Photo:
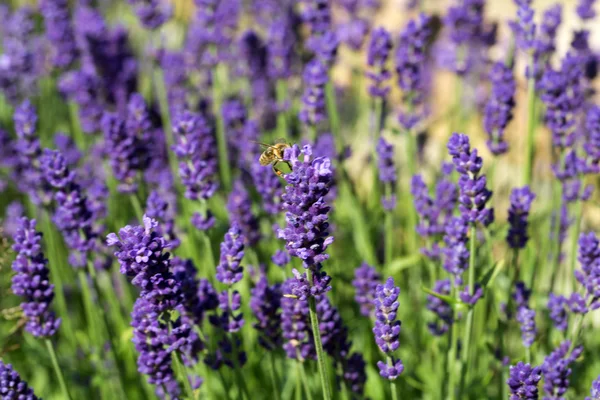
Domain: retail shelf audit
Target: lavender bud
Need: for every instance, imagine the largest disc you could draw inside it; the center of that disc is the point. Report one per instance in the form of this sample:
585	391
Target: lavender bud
366	279
523	381
12	386
520	204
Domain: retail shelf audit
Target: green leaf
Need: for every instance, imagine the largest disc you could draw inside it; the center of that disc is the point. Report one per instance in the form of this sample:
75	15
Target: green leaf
402	263
445	298
490	275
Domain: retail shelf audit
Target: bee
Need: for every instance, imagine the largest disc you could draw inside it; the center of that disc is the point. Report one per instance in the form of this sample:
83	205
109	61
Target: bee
273	154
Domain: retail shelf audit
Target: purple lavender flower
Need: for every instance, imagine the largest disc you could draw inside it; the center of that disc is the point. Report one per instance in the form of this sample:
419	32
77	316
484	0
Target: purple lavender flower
556	369
474	194
366	279
229	270
387	328
354	373
523	381
334	334
585	9
520	204
377	57
268	185
59	32
32	281
281	258
595	390
239	206
434	212
152	339
523	27
498	110
545	44
306	233
141	252
387	171
73	216
295	325
440	308
471	299
12	386
280	47
265	303
557	305
84	88
410	67
592	144
464	20
198	296
12	218
562	93
313	109
231	320
195	149
589	274
353	33
526	319
152	13
456	254
317	15
173	66
126	151
157	208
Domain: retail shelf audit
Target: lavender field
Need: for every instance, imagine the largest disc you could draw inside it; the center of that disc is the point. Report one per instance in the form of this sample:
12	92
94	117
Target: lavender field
299	199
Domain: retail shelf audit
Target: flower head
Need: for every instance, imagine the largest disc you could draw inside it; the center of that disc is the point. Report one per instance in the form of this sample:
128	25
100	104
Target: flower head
440	308
499	108
12	386
556	371
229	270
265	303
387	327
523	381
366	279
520	204
313	110
377	57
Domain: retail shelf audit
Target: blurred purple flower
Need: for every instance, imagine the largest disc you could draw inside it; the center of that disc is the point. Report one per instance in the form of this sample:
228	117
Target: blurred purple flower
456	254
32	281
440	308
585	9
229	270
151	13
366	279
281	258
265	303
157	208
387	172
523	380
595	390
523	27
59	32
387	327
313	110
378	53
557	305
498	109
239	207
518	213
556	371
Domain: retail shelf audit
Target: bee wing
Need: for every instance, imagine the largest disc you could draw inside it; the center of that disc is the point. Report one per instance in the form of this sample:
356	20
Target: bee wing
266	146
280	141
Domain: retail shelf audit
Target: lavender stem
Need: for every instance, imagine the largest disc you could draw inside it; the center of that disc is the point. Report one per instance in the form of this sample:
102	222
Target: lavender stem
180	366
452	353
393	387
304	379
332	113
531	123
314	322
274	379
576	231
57	369
389	229
137	206
165	116
224	167
282	127
464	365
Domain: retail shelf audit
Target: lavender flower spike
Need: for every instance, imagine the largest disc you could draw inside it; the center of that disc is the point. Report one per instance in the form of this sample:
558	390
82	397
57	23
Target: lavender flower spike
585	9
523	381
474	194
520	204
498	110
229	270
313	109
12	386
366	279
306	233
556	371
59	32
524	27
595	390
387	171
32	281
152	13
265	304
387	328
377	57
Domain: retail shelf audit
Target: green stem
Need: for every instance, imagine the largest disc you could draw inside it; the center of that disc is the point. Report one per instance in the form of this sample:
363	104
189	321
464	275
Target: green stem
528	355
57	369
304	380
389	231
575	234
274	378
453	349
78	135
165	115
224	168
137	206
236	362
88	306
282	127
464	365
531	124
332	113
557	242
411	150
187	386
393	387
225	387
314	322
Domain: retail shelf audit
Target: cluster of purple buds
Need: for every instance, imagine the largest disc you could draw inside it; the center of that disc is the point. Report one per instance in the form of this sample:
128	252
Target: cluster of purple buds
280	47
556	370
377	58
323	39
239	206
195	150
518	213
545	43
585	9
306	213
592	144
456	254
366	279
334	334
595	390
265	303
269	187
151	13
157	208
73	213
59	32
32	280
474	194
387	172
295	324
281	258
523	27
499	108
440	308
83	87
589	274
410	63
523	381
558	307
126	143
434	212
12	386
313	110
387	328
